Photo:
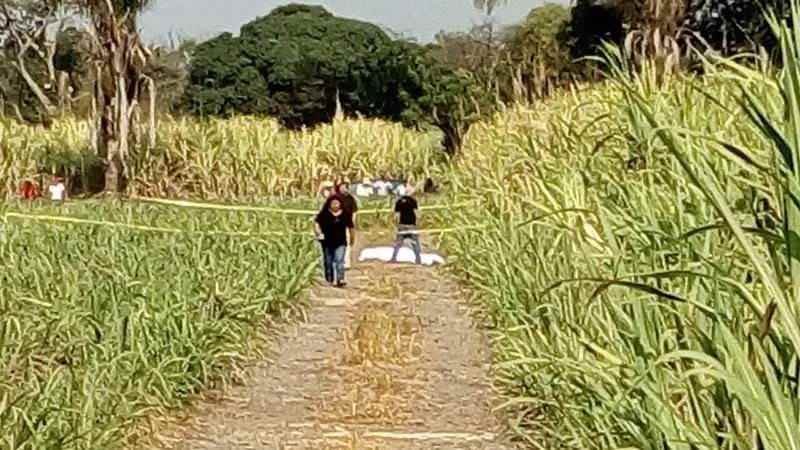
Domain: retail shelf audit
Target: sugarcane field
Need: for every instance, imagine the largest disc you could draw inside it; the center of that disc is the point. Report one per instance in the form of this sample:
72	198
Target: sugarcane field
352	225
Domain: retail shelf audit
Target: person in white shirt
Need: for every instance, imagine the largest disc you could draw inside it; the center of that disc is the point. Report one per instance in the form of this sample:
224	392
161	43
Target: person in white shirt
400	190
381	187
364	189
58	192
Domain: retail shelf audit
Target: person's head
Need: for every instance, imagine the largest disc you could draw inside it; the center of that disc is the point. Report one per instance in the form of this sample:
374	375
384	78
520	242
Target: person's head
334	204
343	187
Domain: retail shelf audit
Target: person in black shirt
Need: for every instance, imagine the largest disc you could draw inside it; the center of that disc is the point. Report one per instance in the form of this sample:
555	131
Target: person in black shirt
406	216
350	206
331	226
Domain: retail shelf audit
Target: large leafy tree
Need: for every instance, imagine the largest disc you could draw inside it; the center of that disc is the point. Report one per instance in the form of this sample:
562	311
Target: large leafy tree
291	64
299	62
433	93
538	50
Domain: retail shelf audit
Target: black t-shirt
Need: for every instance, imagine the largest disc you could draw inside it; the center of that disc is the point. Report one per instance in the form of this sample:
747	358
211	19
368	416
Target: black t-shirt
334	228
349	203
407	207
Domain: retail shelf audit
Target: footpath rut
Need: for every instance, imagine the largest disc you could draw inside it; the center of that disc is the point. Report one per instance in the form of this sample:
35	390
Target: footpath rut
392	362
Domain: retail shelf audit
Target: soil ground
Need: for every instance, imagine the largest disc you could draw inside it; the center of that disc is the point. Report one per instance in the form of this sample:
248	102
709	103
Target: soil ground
394	361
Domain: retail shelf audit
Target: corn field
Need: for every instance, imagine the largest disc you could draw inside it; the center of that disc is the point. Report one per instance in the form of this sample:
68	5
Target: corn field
638	261
640	265
102	326
243	158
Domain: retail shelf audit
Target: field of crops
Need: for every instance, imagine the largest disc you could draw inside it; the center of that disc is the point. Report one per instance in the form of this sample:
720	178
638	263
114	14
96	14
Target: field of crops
100	326
243	158
636	262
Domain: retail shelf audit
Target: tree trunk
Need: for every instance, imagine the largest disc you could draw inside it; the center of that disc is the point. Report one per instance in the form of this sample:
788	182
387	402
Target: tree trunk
119	86
453	137
33	86
114	134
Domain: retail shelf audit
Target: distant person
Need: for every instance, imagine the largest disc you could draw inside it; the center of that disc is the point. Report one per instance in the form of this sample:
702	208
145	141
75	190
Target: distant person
365	188
57	189
28	190
405	210
350	206
381	186
430	187
331	226
325	189
401	190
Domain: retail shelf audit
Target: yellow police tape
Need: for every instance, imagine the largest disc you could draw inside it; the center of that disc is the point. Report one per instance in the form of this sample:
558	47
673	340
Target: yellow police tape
130	226
75	220
302	212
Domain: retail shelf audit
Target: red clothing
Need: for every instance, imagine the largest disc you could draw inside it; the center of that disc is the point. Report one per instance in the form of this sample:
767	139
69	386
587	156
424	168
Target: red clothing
29	191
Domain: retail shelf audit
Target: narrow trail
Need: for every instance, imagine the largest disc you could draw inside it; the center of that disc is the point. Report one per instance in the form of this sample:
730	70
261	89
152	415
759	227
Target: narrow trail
392	362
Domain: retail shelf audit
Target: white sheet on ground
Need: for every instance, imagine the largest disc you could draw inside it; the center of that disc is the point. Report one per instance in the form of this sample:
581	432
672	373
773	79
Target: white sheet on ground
404	255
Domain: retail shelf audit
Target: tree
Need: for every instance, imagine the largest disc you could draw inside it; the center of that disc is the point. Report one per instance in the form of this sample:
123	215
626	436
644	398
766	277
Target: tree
731	26
292	64
24	38
299	62
119	59
593	22
477	52
538	51
433	93
223	81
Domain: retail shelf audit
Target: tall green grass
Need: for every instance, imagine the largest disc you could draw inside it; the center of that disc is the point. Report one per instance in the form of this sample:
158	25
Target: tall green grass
102	326
242	158
639	264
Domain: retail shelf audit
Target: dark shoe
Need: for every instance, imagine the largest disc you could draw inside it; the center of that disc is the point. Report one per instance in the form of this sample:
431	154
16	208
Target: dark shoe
341	284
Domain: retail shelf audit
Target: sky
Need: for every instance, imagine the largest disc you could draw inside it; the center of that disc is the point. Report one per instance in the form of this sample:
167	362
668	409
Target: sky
420	19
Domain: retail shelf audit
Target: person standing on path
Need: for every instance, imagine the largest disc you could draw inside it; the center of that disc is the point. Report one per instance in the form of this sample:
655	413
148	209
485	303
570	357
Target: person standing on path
350	206
405	210
331	226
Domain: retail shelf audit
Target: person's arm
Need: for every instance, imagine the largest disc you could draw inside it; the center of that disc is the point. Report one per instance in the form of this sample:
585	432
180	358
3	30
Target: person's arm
352	228
317	227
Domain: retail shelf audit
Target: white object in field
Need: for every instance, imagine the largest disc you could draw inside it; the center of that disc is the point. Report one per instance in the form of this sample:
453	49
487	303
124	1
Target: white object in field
57	191
404	255
364	190
381	188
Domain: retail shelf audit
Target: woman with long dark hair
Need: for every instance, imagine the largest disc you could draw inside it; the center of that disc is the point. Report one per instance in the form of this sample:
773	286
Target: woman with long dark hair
350	206
331	225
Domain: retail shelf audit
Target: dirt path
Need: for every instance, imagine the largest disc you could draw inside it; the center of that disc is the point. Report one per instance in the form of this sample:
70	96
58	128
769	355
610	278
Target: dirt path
393	361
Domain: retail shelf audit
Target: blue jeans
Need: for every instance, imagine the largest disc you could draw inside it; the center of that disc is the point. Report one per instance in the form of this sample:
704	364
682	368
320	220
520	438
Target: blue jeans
333	262
407	232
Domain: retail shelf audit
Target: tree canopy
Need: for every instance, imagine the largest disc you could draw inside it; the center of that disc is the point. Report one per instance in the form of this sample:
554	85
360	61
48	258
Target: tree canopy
298	62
